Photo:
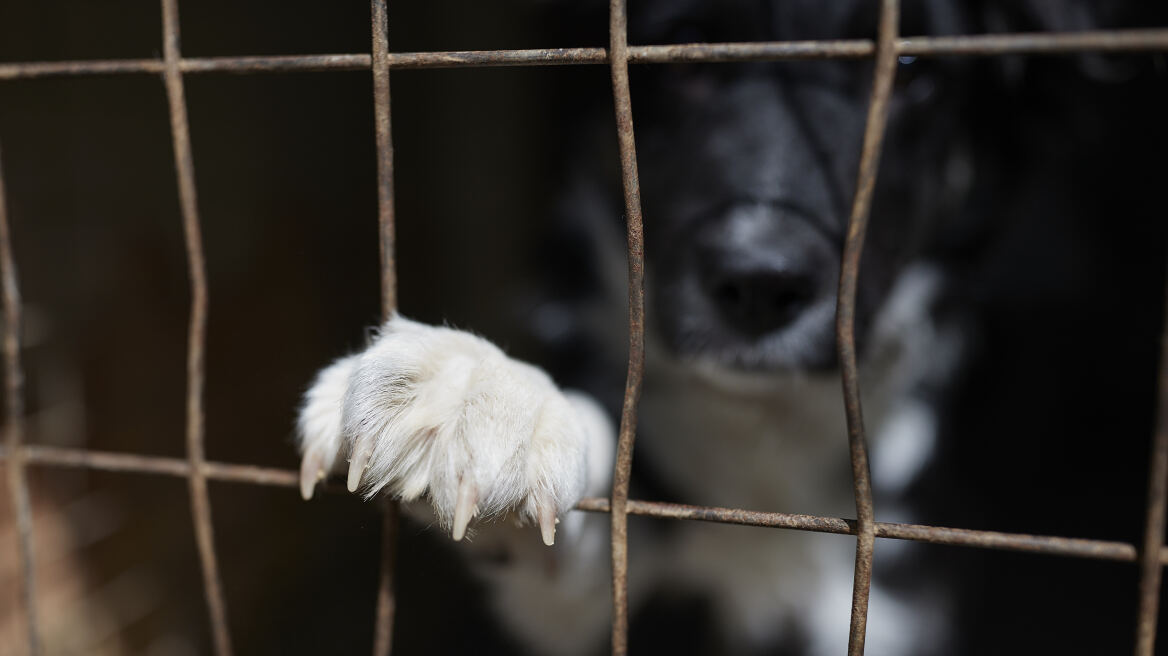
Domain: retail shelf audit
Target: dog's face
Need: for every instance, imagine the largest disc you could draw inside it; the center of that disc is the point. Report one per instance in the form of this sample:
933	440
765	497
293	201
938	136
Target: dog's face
748	173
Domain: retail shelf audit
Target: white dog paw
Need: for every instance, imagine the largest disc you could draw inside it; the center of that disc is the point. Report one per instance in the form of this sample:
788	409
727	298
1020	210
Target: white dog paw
443	413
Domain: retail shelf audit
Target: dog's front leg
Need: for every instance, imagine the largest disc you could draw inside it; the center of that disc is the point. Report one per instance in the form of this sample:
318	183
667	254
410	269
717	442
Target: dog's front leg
442	414
557	600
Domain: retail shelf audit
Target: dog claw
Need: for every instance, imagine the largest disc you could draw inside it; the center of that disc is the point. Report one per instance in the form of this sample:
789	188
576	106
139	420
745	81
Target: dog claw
357	466
311	471
547	524
464	508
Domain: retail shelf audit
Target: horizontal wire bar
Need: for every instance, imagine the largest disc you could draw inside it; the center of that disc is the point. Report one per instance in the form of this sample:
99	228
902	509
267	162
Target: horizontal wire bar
1036	43
16	71
55	456
130	462
1050	545
276	64
921	46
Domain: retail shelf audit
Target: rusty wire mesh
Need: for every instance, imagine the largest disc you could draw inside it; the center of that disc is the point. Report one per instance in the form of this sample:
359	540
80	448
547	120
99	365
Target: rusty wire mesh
1152	555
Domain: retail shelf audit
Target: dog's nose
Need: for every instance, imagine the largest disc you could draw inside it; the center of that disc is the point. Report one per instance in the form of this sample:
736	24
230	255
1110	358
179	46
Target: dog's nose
757	301
761	266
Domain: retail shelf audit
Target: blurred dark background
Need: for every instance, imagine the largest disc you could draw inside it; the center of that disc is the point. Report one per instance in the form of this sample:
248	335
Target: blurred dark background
1048	432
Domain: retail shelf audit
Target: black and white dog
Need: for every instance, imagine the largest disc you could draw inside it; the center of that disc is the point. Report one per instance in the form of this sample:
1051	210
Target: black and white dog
748	172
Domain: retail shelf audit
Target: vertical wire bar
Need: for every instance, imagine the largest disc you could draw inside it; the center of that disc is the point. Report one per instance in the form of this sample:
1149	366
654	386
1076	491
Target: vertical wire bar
618	54
14	424
197	336
1150	566
385	198
884	73
386	602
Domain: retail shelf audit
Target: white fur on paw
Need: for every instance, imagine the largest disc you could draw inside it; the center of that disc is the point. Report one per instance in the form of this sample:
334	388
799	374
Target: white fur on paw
319	425
441	412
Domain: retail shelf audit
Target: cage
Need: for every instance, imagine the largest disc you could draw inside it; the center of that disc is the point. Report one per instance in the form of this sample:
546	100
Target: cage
91	374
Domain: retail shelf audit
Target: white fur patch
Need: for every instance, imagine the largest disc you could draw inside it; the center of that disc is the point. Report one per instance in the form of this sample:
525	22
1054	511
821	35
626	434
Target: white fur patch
440	412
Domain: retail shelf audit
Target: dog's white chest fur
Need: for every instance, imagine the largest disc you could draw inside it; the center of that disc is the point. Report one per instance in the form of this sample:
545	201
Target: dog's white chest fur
782	450
763	449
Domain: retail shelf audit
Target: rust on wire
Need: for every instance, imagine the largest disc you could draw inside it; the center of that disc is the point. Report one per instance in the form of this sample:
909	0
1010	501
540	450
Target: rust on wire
1023	542
1150	567
622	103
32	70
480	58
386	597
883	75
276	64
14	425
1037	43
197	337
139	464
55	456
379	60
750	52
384	136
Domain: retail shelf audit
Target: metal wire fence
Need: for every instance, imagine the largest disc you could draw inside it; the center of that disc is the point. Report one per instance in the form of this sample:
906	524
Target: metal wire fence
1151	556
